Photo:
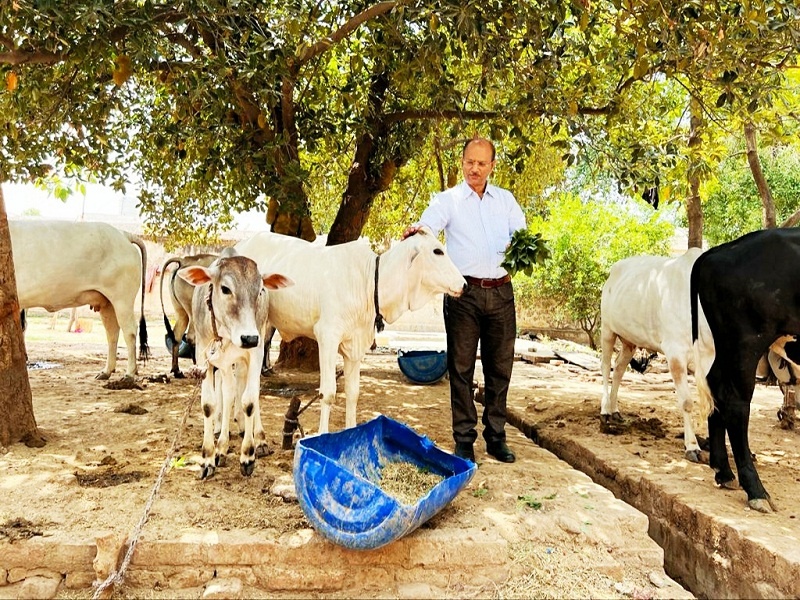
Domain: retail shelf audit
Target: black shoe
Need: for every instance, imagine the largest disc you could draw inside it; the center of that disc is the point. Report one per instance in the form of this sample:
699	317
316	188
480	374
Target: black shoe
501	452
464	450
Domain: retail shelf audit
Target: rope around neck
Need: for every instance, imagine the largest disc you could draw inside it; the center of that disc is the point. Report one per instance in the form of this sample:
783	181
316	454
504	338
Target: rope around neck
211	310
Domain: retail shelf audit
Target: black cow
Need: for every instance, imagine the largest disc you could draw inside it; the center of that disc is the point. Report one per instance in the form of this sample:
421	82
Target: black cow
749	292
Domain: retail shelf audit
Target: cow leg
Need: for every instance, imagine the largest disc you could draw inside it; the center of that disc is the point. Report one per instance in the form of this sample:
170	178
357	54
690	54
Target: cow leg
266	367
328	351
122	318
352	376
718	452
109	318
609	410
736	416
207	403
787	411
218	413
259	437
680	376
251	375
607	340
228	388
181	324
620	366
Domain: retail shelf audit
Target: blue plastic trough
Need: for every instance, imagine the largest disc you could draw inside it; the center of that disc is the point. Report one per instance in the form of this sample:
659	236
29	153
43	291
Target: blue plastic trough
336	476
423	366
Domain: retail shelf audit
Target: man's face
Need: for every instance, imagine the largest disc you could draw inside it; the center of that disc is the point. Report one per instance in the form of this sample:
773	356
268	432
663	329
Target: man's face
477	164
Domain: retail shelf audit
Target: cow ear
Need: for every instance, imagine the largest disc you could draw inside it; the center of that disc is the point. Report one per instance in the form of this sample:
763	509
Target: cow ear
413	255
195	275
276	281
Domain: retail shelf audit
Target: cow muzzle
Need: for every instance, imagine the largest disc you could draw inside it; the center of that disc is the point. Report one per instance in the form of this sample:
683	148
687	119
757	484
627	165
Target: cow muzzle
249	341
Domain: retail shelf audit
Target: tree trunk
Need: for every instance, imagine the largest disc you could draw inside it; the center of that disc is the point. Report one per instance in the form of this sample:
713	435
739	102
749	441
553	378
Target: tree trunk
301	353
369	174
694	211
17	422
372	173
768	204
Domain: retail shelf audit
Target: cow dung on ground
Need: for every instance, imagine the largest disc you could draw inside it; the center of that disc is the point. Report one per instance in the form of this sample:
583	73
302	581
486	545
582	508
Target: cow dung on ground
87	438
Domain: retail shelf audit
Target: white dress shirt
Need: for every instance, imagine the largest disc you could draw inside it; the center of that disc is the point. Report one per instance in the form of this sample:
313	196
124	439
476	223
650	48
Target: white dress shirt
477	231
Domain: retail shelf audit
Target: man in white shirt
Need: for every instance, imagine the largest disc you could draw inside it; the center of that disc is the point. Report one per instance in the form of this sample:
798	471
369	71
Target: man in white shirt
478	219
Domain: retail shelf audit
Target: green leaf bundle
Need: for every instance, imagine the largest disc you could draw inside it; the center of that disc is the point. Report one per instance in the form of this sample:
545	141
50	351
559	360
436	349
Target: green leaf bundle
525	250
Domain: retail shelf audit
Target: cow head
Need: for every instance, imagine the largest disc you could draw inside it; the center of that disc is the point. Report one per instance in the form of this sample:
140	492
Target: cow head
430	270
235	296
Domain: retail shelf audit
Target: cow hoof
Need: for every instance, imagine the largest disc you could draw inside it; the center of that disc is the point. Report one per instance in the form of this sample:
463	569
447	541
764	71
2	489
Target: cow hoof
696	456
207	472
729	485
262	450
266	372
178	375
785	419
221	460
762	505
103	376
248	467
613	424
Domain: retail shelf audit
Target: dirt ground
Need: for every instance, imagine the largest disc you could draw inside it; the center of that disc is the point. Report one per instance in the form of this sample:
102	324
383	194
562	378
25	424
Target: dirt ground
105	447
567	399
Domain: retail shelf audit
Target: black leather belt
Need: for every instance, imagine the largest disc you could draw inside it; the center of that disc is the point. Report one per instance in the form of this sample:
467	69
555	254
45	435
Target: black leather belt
487	283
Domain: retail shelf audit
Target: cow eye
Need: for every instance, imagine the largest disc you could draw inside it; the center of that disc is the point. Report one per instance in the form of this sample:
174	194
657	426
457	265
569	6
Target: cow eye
226	290
438	251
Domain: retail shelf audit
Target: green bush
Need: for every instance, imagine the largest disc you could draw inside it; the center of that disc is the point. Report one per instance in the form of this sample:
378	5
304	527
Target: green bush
586	238
733	207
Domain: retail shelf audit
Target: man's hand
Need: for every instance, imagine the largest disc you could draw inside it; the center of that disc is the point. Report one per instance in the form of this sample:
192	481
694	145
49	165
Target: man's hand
411	230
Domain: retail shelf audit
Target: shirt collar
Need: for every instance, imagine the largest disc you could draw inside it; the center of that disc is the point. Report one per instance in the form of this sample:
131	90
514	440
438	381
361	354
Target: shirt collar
466	190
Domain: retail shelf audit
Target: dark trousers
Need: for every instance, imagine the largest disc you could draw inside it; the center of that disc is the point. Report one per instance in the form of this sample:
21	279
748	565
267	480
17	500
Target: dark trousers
486	315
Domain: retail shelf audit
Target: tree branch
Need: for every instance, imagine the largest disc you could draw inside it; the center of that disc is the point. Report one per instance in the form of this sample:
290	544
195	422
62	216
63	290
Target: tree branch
30	57
430	113
345	30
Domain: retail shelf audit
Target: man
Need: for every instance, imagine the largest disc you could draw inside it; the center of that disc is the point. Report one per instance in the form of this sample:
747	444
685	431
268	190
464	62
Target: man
478	219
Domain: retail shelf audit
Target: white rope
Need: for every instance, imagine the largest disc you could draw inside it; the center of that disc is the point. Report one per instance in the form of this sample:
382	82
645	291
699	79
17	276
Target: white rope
118	576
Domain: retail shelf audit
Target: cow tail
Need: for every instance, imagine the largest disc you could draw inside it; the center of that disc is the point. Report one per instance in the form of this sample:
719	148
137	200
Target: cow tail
144	349
706	400
693	300
167	325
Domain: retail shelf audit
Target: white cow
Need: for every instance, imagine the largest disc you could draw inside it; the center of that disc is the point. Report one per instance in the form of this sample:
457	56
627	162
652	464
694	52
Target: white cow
61	264
333	299
229	312
181	294
645	304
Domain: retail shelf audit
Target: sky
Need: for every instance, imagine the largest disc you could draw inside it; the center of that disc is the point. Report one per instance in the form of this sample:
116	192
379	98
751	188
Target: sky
99	204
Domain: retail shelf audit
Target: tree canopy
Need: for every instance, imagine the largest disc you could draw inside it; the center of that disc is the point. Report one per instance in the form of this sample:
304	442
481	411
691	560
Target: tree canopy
217	106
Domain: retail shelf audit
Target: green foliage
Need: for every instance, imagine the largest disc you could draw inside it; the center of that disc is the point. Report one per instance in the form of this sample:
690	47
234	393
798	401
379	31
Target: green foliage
216	107
524	251
586	237
179	462
734	207
530	501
